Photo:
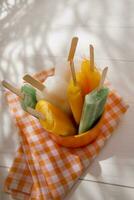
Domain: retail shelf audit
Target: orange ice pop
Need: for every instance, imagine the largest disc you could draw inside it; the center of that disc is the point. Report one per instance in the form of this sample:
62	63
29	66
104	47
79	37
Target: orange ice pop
89	76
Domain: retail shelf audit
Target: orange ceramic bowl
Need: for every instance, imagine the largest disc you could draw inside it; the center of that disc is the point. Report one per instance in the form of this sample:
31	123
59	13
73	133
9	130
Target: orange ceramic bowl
81	140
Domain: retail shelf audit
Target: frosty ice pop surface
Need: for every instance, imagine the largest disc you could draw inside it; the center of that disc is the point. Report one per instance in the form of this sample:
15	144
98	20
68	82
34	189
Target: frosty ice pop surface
93	105
56	121
62	70
75	97
54	90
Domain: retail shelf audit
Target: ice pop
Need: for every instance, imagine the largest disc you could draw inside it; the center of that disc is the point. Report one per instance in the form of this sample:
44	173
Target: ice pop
26	94
62	70
56	121
76	100
54	90
93	105
29	99
74	93
89	76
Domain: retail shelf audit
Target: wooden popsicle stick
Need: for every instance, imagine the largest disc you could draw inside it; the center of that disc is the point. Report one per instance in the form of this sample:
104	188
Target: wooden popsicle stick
37	84
35	113
73	72
71	57
12	89
91	57
103	76
50	72
72	48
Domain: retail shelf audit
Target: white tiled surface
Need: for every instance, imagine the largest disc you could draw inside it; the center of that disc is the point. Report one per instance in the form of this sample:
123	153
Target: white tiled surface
34	32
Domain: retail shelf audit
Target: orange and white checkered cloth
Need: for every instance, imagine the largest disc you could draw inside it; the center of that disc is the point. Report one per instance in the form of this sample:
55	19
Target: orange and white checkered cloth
43	170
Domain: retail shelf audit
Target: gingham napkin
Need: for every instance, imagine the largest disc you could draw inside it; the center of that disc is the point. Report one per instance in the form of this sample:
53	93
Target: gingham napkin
43	170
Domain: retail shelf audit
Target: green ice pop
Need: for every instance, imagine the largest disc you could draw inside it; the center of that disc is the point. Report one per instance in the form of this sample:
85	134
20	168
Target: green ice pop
93	108
29	99
27	94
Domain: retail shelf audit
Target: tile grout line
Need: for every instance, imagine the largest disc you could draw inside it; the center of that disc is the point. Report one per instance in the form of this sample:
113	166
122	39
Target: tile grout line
100	182
105	183
79	56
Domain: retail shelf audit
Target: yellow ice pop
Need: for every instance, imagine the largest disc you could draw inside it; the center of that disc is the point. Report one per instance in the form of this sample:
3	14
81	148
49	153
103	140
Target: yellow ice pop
76	100
74	93
56	121
89	76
